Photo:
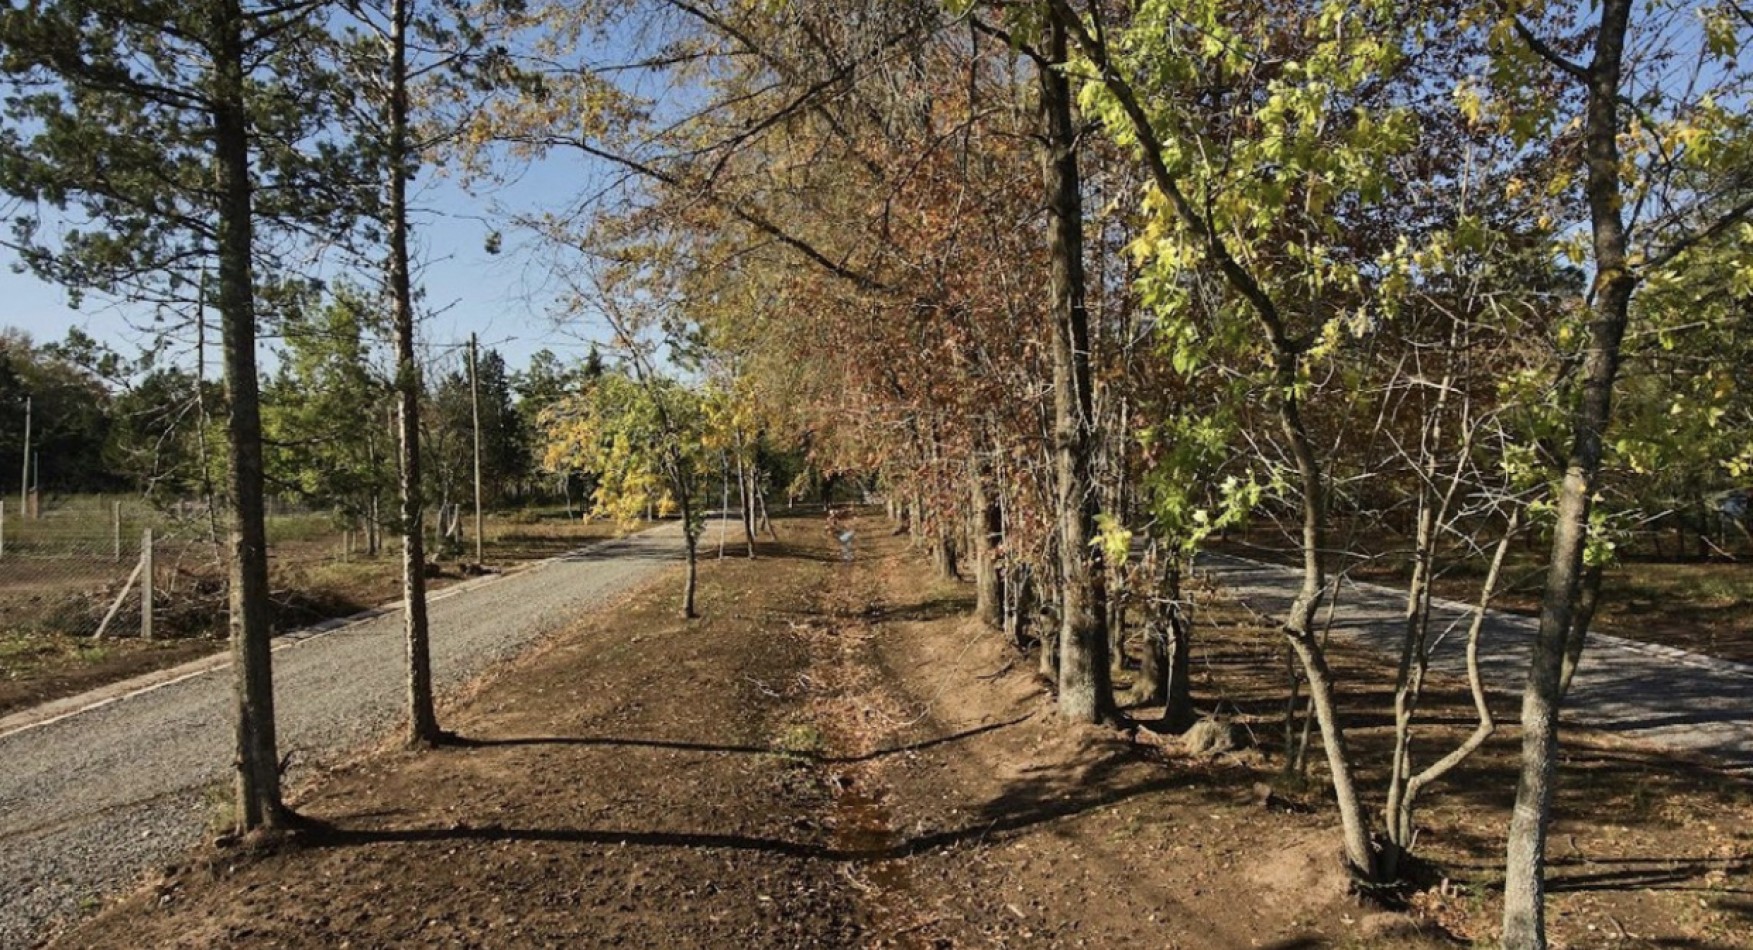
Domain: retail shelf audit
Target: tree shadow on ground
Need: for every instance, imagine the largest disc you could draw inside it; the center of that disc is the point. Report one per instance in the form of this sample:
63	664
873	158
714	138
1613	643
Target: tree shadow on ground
1668	874
469	742
1035	799
937	608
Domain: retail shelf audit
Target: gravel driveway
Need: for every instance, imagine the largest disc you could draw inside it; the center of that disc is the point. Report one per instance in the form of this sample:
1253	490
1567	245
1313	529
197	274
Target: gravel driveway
1655	694
90	801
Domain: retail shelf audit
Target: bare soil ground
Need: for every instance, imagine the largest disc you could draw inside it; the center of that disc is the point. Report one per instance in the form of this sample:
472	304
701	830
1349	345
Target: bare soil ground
311	579
836	756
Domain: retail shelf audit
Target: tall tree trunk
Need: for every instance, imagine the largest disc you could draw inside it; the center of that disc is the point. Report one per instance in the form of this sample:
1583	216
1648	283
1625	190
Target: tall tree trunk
986	528
1114	620
746	496
1299	624
1588	597
258	763
422	717
691	541
1409	679
1085	688
1152	684
1524	921
1178	710
943	554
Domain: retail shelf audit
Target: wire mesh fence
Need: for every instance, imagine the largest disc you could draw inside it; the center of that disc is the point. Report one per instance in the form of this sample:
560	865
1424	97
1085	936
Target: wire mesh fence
87	566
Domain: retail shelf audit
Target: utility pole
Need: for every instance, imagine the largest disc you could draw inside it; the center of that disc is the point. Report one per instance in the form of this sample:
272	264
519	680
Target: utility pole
24	484
201	420
475	408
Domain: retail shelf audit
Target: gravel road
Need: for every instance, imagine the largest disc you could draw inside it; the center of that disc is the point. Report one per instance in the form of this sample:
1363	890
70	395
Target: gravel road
1655	694
91	801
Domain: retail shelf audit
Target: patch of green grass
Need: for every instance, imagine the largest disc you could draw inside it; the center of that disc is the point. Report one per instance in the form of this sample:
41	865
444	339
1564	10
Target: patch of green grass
17	648
800	741
1714	584
220	802
300	527
23	654
347	574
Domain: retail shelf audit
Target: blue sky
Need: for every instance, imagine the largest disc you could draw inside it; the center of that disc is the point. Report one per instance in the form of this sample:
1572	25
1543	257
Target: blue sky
505	297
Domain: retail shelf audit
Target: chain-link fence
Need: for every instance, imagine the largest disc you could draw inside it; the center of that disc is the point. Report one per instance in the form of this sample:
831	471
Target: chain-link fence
64	566
86	566
81	588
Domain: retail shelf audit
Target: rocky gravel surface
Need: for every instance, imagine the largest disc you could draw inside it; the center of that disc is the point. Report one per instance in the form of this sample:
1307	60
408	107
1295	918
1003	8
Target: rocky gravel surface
91	801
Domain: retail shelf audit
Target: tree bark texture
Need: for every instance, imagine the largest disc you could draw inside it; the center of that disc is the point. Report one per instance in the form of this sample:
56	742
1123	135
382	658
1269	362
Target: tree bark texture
1085	687
1178	710
987	531
258	764
422	716
943	554
1524	921
746	501
691	540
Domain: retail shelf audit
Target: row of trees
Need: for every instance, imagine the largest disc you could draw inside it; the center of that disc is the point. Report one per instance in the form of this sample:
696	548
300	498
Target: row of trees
1080	283
74	439
102	423
205	157
1081	280
212	155
330	420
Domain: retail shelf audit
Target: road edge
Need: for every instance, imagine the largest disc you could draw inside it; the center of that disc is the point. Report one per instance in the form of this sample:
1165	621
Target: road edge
67	707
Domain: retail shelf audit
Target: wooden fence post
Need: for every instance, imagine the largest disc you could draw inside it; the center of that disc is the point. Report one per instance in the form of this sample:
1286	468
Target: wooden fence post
146	585
116	529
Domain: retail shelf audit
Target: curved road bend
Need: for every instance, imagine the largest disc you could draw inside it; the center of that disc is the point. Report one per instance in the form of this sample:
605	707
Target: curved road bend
90	801
1654	694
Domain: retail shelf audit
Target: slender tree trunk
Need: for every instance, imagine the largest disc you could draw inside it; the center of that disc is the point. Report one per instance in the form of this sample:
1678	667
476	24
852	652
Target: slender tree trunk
258	763
1399	817
1115	622
1524	922
746	491
691	540
1178	713
1299	622
943	554
422	716
1043	590
1588	597
475	423
1085	688
1152	684
1409	680
766	519
987	531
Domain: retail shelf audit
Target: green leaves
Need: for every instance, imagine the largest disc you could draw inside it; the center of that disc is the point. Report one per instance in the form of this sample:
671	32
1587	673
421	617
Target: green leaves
644	439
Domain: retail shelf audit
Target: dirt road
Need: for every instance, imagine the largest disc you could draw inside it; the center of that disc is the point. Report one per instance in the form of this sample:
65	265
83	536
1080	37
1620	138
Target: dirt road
833	757
92	799
1654	694
836	755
